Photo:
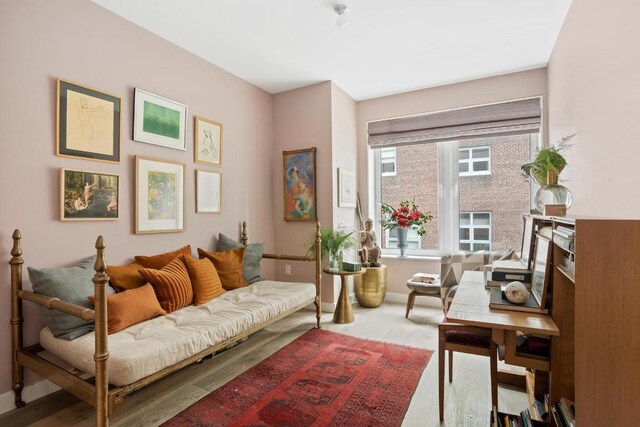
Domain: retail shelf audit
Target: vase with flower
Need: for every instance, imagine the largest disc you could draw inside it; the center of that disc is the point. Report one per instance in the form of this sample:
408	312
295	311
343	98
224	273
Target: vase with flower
406	216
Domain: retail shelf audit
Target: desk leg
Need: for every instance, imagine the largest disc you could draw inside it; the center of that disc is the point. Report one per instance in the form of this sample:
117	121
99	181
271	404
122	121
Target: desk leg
344	311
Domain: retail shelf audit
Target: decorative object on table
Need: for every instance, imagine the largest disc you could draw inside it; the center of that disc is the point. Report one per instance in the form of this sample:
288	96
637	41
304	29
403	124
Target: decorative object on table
334	243
299	183
208	192
516	292
351	266
346	188
545	170
350	379
159	196
555	210
370	252
401	219
86	196
371	287
159	121
207	137
343	312
87	123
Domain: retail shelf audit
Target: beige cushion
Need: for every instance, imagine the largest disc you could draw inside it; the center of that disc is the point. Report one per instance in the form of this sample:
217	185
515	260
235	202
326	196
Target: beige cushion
424	288
150	346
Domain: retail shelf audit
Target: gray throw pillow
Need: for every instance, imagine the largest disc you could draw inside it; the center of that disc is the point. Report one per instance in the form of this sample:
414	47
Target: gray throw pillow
252	256
68	284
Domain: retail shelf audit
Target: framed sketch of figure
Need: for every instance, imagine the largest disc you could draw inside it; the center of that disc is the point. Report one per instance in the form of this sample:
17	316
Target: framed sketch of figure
208	142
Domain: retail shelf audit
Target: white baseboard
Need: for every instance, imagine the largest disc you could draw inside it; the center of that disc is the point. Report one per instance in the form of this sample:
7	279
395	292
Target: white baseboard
29	394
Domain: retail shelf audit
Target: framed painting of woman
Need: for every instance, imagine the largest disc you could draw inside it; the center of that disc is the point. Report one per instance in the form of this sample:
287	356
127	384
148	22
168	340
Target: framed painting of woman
299	181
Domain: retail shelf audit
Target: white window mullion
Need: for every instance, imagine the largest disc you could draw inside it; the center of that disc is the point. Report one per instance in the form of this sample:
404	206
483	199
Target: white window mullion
448	212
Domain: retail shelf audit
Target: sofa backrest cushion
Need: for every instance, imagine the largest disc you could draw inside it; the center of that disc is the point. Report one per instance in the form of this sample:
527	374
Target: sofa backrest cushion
125	277
159	261
204	279
130	307
252	257
68	284
171	284
228	264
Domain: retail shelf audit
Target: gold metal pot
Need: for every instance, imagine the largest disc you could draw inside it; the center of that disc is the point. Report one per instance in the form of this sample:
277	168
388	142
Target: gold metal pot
371	287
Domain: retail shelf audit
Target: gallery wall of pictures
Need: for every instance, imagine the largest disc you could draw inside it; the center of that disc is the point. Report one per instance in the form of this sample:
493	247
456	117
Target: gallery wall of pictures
88	127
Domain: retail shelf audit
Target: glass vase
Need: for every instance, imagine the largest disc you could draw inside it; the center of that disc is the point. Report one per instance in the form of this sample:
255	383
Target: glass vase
402	239
553	193
335	260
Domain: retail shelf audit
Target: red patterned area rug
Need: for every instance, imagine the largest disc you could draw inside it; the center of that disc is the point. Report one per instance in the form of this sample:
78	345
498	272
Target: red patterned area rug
321	379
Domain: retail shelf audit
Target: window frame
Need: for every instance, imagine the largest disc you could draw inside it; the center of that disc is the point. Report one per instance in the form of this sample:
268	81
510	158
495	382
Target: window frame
471	161
389	159
472	227
412	237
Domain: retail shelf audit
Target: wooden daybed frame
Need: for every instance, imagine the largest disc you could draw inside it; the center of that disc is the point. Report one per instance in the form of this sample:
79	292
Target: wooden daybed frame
97	392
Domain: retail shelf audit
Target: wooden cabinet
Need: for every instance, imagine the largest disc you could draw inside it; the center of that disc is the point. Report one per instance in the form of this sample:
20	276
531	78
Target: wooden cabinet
596	305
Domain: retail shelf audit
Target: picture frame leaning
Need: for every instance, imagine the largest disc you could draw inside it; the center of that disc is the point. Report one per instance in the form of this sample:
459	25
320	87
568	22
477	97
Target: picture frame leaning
159	121
88	123
160	189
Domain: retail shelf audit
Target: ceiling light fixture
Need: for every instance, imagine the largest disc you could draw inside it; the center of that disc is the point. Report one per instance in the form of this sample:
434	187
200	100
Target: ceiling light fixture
341	10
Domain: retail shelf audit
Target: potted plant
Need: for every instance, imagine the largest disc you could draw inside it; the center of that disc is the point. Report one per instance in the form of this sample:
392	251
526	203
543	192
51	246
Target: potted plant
405	216
334	242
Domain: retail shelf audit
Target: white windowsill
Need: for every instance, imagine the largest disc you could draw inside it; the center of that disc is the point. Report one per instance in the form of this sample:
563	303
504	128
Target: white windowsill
413	256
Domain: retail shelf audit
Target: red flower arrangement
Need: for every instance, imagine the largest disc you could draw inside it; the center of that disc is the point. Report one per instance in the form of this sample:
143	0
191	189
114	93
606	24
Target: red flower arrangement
407	215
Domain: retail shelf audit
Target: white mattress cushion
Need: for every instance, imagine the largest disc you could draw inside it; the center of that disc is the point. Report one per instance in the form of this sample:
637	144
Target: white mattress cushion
148	347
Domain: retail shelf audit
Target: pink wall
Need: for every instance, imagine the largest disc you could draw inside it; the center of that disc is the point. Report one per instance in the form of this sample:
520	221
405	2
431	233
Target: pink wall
82	42
594	90
482	91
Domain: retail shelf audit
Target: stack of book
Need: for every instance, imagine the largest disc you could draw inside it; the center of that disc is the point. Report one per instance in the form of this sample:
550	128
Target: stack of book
510	270
564	237
425	278
564	413
499	419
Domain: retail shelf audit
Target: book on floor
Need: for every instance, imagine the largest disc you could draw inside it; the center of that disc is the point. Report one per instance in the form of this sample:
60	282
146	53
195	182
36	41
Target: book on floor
500	302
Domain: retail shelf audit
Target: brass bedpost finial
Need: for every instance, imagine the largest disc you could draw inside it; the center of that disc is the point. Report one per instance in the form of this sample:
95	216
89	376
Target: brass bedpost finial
100	266
318	260
244	237
101	355
16	250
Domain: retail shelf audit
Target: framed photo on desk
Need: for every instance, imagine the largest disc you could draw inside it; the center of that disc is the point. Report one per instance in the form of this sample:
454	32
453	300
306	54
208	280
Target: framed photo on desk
540	270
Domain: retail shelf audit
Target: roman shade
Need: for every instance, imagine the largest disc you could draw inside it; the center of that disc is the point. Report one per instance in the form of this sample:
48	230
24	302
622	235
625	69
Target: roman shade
506	118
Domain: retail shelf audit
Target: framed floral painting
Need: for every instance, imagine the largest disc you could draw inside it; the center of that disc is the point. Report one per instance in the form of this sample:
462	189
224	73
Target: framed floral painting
299	180
160	190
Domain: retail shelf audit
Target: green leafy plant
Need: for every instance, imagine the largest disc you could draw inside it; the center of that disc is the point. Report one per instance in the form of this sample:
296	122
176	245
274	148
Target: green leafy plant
547	159
407	215
333	241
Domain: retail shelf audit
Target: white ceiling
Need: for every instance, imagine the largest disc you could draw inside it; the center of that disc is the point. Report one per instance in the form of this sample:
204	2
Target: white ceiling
387	46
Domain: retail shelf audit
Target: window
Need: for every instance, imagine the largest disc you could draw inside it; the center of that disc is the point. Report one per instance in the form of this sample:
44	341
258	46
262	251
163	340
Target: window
413	239
475	231
468	214
474	161
388	161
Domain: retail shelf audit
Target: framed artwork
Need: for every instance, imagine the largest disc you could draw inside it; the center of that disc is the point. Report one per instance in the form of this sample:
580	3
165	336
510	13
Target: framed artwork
88	196
159	121
159	196
208	192
299	176
207	138
87	123
527	241
540	274
346	188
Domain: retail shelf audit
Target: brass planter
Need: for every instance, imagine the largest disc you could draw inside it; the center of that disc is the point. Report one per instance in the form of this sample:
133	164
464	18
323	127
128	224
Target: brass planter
371	287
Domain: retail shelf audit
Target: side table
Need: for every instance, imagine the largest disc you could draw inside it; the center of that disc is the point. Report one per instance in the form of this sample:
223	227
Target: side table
344	311
371	287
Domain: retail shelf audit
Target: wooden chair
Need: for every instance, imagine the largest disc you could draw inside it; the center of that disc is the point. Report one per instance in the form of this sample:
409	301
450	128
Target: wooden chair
466	339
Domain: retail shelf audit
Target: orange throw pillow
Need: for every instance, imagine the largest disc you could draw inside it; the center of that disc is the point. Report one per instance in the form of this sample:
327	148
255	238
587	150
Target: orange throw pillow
228	264
131	307
171	284
204	279
125	277
159	261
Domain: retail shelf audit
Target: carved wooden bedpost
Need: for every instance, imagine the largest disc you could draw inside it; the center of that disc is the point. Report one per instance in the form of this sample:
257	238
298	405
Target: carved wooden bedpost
101	356
16	318
244	237
318	301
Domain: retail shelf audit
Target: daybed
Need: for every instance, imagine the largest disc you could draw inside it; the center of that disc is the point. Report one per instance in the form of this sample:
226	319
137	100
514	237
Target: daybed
143	353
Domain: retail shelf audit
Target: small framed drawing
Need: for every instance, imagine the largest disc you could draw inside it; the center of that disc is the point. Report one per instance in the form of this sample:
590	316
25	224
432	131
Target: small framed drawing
88	196
208	192
208	142
299	176
346	188
159	121
159	196
87	123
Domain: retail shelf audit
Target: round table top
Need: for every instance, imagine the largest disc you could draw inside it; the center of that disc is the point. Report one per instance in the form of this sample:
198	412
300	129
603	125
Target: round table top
344	273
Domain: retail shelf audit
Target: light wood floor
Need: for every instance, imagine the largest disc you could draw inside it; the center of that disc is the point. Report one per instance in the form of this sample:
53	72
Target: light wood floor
467	399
